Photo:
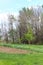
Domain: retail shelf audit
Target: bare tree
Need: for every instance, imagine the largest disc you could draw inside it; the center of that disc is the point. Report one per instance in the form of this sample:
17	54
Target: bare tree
24	20
11	19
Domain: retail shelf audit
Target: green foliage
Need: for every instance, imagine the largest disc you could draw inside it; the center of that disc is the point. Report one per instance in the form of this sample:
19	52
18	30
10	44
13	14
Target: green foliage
11	32
29	35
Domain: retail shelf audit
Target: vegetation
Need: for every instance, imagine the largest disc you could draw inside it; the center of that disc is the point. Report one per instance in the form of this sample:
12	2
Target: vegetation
35	57
28	28
29	36
34	48
21	36
23	59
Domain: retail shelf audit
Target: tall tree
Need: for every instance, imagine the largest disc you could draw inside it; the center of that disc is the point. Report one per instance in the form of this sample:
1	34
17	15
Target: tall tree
24	20
41	31
11	19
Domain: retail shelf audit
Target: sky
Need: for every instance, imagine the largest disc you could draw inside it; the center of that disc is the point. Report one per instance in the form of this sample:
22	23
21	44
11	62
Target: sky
14	6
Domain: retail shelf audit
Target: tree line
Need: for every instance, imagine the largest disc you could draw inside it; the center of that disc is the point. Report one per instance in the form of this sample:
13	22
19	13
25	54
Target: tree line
28	28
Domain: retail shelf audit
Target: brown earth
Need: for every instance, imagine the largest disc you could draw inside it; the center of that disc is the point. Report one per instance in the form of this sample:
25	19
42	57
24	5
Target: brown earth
13	50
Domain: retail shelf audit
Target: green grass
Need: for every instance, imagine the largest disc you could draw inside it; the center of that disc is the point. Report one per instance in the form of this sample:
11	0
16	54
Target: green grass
36	48
21	59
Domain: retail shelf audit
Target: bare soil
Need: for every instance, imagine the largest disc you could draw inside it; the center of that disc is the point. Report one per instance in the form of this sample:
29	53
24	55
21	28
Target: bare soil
13	50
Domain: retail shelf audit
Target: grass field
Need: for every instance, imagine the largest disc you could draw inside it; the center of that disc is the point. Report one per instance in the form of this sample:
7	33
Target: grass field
22	59
36	48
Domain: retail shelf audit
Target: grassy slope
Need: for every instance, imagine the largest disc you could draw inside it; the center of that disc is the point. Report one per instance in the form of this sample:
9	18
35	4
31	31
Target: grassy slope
22	59
18	59
36	48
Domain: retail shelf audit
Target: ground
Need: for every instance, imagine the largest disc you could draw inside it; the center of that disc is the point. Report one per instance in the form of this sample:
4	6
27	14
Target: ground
13	50
20	54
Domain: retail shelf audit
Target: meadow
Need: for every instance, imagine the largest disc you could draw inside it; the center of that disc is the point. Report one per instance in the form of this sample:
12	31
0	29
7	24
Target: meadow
31	58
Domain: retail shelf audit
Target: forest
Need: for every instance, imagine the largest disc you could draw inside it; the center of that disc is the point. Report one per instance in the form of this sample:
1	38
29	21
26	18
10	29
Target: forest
27	28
